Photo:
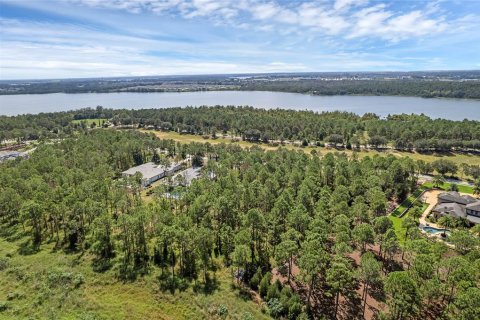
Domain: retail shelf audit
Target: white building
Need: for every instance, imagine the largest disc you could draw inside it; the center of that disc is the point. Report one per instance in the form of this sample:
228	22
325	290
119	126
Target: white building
151	172
10	155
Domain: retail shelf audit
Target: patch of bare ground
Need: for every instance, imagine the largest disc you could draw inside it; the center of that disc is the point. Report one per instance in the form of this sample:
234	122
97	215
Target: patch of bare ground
352	306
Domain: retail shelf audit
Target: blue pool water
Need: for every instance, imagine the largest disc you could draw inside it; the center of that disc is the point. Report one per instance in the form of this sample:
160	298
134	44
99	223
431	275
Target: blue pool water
433	230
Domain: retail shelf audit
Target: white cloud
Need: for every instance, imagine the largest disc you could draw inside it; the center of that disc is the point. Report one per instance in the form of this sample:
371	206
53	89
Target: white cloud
149	37
345	4
350	18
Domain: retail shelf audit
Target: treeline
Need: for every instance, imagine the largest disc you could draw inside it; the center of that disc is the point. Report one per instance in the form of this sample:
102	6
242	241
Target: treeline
343	129
276	212
425	85
394	87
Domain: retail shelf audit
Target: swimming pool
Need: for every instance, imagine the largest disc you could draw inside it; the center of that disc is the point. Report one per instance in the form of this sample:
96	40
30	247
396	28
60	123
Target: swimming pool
433	230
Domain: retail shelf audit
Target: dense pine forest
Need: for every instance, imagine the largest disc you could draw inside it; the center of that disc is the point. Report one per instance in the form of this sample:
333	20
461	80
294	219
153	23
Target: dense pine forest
304	236
381	87
403	132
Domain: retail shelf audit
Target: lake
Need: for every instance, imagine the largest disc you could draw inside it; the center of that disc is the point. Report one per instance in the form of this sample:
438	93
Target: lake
454	109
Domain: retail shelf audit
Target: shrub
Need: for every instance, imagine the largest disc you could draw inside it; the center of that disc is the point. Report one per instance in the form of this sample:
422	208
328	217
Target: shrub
3	263
14	295
273	292
58	278
294	307
222	310
265	284
18	273
78	280
303	316
285	295
275	307
3	306
255	281
247	316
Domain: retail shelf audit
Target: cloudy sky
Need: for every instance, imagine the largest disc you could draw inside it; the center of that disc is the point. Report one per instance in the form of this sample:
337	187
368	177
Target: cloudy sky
96	38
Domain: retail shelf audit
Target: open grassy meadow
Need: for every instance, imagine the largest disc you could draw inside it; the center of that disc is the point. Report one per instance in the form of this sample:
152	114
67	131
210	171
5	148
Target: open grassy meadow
457	158
89	122
49	284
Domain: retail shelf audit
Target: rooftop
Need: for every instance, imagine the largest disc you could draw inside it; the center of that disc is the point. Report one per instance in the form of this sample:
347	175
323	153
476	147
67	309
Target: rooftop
4	155
190	174
453	196
453	209
148	170
474	206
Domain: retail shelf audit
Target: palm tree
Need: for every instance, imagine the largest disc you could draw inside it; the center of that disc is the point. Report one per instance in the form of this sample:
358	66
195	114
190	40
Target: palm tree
446	222
462	222
416	213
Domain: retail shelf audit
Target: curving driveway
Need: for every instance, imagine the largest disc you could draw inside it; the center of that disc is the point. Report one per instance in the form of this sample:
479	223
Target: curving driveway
430	197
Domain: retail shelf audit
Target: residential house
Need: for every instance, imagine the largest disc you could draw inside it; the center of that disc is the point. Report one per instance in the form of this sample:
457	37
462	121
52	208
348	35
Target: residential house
457	206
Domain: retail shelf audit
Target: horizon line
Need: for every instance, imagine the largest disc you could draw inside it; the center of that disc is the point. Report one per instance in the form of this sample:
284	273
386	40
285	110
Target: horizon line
243	74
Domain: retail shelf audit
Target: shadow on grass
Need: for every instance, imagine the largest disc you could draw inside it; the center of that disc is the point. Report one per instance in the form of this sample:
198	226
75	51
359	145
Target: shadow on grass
11	232
208	287
171	283
244	293
101	265
28	248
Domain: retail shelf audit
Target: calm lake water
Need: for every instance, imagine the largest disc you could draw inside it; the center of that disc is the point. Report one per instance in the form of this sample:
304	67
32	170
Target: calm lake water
455	109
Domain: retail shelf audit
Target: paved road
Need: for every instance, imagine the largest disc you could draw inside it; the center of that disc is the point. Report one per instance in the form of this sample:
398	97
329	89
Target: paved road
449	180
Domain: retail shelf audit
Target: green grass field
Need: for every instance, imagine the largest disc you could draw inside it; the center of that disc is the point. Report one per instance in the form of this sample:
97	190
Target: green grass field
408	202
42	285
446	186
98	122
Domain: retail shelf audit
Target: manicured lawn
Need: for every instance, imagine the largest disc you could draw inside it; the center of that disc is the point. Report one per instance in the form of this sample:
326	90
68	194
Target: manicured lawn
397	224
408	202
457	158
446	186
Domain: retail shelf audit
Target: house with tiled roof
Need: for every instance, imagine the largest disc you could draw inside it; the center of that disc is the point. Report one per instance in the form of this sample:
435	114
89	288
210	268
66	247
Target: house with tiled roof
458	206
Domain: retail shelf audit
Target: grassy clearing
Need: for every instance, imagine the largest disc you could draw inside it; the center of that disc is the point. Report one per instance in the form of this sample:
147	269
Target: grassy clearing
397	223
187	138
446	186
29	293
89	122
396	216
407	203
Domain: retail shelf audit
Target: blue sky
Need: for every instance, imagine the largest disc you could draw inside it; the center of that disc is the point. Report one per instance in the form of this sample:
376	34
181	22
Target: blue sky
102	38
